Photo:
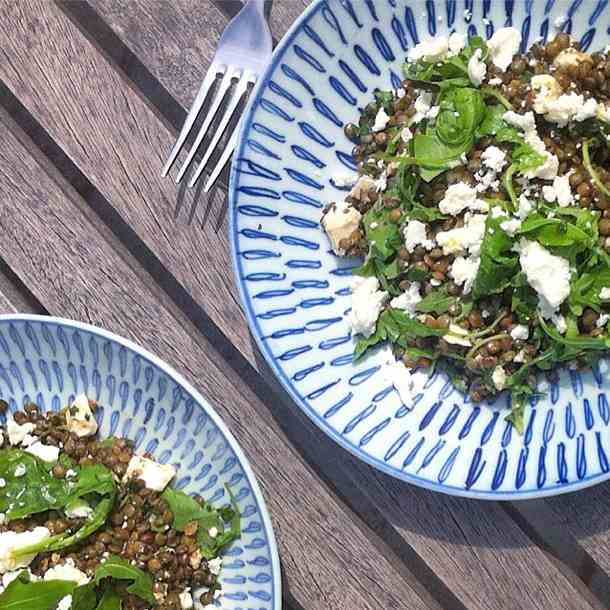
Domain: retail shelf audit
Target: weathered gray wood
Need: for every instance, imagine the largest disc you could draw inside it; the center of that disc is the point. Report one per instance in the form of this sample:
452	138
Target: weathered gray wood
475	582
332	561
119	144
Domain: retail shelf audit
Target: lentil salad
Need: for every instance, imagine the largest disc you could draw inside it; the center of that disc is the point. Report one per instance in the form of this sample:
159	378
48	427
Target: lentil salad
482	208
87	524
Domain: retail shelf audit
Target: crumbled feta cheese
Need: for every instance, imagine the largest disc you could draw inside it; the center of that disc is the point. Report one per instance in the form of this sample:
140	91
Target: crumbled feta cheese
362	187
431	50
520	332
415	235
464	271
424	108
503	46
67	571
520	357
155	476
495	81
602	320
497	211
511	226
456	42
345	179
80	418
408	300
560	323
395	372
339	222
571	57
19	470
400	92
548	170
186	599
65	603
604	294
568	107
459	197
79	509
367	302
525	122
20	434
381	120
213	532
547	274
406	135
46	453
494	158
547	90
215	565
499	378
2	482
476	68
525	206
560	21
10	542
468	237
560	191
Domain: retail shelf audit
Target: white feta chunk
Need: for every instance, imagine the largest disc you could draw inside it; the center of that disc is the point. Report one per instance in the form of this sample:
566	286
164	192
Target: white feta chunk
186	599
65	603
499	378
456	42
476	68
511	226
345	179
604	294
215	565
406	135
20	434
494	158
424	108
571	57
464	271
431	50
414	234
339	222
155	476
80	418
546	273
520	332
67	571
46	453
602	320
396	373
367	303
381	120
11	542
459	197
503	46
408	300
469	237
79	509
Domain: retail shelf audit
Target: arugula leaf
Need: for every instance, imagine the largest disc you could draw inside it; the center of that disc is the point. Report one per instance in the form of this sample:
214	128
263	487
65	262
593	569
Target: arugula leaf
585	289
525	159
494	125
396	326
524	299
110	601
517	413
84	597
582	342
437	301
38	490
118	568
498	263
385	99
21	594
425	214
187	510
380	229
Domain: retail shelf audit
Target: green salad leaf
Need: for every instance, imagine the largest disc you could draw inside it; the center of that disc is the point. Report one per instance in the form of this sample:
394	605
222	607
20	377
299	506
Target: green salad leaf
186	510
111	600
585	289
438	301
498	262
118	568
22	594
84	597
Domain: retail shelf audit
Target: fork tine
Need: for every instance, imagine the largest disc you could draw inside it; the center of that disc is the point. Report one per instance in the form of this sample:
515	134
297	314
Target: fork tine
240	88
192	116
224	158
223	88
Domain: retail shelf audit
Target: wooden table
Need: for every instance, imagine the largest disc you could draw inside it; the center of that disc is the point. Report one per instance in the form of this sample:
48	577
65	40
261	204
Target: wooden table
92	95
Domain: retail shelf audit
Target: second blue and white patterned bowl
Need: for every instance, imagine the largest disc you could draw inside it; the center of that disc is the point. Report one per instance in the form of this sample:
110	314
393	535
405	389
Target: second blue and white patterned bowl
50	360
296	292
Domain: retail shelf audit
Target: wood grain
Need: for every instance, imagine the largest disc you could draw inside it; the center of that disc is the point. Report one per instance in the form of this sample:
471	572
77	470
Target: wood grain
332	562
470	560
119	144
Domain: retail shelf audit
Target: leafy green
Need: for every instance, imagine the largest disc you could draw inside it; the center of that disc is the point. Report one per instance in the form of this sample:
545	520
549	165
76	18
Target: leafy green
385	99
437	301
585	289
581	342
118	568
592	171
110	601
84	597
498	263
21	594
494	125
186	510
524	299
38	490
516	415
525	159
396	326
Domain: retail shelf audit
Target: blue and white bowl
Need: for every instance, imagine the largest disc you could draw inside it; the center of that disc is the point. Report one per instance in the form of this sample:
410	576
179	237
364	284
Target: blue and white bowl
296	292
50	360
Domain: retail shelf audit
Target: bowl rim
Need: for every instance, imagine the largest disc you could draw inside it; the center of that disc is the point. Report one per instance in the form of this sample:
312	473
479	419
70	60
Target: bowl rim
509	496
204	404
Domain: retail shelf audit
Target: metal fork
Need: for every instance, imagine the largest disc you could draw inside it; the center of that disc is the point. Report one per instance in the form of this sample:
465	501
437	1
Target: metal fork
244	51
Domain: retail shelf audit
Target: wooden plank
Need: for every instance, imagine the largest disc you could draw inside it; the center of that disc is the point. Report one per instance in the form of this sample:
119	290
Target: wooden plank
119	144
377	496
97	281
